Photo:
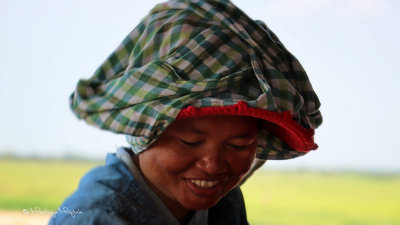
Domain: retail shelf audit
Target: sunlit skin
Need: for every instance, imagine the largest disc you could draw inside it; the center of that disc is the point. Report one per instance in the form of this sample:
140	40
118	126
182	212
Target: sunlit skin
196	161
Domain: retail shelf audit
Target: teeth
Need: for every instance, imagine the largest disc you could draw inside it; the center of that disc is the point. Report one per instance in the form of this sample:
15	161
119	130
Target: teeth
198	183
204	183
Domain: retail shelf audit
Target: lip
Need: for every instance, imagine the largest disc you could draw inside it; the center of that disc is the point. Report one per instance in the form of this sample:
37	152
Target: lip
205	191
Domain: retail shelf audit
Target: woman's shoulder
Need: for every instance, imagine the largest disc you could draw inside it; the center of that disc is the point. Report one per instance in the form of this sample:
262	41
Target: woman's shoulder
108	193
114	175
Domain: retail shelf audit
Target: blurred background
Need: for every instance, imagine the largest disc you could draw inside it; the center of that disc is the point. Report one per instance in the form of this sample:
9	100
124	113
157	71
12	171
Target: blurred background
349	48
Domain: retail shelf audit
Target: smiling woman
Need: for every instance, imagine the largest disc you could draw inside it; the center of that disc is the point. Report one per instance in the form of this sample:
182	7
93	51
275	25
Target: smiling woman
196	161
204	95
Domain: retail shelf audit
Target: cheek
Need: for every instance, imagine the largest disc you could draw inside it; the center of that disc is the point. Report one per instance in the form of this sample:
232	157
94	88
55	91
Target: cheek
164	161
241	163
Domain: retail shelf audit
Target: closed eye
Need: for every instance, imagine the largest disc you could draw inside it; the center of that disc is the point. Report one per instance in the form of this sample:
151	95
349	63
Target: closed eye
241	144
189	143
238	147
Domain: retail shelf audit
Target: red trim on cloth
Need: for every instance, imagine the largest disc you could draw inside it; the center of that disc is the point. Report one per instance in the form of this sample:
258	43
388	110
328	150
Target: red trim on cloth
280	124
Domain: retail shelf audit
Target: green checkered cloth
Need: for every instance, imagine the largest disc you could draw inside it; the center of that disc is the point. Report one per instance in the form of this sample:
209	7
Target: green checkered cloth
195	53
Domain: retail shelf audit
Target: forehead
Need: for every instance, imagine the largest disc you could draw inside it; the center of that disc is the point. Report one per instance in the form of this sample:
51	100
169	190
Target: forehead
213	124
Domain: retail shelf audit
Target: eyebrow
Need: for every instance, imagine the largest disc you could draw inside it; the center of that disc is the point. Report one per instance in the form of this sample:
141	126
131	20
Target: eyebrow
196	130
244	135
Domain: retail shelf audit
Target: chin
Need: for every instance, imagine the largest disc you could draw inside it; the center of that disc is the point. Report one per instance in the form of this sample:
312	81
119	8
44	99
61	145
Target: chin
201	204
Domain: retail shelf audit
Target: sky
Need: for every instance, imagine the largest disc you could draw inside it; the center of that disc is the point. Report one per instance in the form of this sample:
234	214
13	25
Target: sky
349	48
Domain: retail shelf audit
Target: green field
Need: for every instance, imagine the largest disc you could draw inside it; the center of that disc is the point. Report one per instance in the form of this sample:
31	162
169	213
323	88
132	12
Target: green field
272	197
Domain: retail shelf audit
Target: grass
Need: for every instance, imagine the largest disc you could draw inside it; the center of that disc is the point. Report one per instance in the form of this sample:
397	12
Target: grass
38	183
272	197
308	198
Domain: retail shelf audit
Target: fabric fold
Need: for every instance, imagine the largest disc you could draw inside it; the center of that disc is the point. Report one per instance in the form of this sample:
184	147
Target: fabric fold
201	54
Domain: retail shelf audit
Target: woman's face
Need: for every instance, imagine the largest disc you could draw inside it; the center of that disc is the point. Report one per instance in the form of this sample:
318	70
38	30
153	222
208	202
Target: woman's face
196	161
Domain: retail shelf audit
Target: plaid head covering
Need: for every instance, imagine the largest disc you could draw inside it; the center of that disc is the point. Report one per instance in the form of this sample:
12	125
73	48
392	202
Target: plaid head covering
194	58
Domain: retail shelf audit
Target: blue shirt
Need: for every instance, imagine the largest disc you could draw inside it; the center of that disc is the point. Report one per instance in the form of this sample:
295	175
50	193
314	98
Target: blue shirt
116	193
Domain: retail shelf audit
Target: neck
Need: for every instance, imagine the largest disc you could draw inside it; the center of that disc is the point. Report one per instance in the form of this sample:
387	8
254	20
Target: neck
181	213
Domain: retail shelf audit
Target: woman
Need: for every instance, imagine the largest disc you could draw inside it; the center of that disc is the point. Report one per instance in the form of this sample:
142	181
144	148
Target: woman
204	95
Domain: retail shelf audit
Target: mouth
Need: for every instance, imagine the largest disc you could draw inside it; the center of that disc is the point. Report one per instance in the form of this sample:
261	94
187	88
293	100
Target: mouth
205	188
204	183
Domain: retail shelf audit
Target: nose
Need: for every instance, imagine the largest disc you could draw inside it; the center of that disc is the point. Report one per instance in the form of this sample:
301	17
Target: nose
213	163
